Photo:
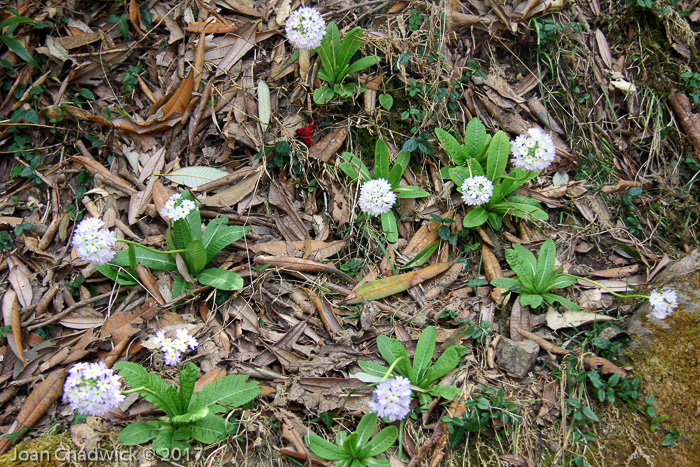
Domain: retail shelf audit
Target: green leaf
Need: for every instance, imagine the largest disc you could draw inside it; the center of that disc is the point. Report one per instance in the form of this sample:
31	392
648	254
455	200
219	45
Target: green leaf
559	281
191	416
590	414
423	256
423	357
222	237
230	391
359	65
194	222
475	139
120	276
391	231
197	256
458	175
495	220
521	176
569	305
364	430
381	160
334	43
505	283
447	362
475	217
19	50
524	263
398	169
373	369
169	440
386	101
531	300
325	449
194	176
157	261
180	286
381	442
208	430
410	192
188	378
182	234
354	167
136	376
497	155
446	392
350	45
323	95
452	146
475	168
390	350
139	433
220	279
545	266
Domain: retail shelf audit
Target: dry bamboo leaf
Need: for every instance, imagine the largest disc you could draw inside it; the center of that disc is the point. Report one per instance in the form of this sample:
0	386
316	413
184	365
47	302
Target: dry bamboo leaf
605	366
426	235
179	100
603	48
38	402
330	321
689	121
492	270
519	319
213	28
10	313
304	265
329	144
395	284
397	7
440	284
209	378
95	168
19	279
235	193
241	7
245	41
616	273
149	282
73	42
620	185
557	320
316	250
544	344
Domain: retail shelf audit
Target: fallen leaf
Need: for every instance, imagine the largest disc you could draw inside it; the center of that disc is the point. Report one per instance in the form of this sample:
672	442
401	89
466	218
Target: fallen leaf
519	319
329	144
10	313
492	270
19	279
299	264
605	366
570	319
544	344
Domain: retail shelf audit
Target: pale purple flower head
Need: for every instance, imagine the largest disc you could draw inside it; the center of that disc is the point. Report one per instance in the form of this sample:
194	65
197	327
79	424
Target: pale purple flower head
93	243
663	302
477	190
92	389
174	348
533	151
177	208
305	28
392	399
376	197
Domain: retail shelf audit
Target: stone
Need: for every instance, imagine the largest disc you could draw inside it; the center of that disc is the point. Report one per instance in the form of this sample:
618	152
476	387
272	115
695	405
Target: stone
517	358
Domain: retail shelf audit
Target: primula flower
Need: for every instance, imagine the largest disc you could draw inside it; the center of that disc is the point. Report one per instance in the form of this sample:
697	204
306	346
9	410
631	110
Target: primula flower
92	389
392	399
305	28
93	243
663	302
477	190
376	197
533	151
177	208
174	348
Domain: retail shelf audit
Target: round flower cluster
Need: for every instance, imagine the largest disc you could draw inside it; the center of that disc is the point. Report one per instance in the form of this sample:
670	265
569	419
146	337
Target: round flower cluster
663	302
477	190
305	28
92	389
177	208
534	151
376	197
392	399
174	348
93	243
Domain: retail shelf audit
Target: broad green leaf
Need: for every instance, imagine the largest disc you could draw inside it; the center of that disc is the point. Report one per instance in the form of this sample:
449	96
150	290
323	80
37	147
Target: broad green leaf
381	160
359	65
386	101
495	220
458	175
188	378
559	281
451	145
373	369
475	217
190	417
208	430
398	169
423	256
523	262
381	442
505	283
194	176
423	357
325	449
545	265
120	276
474	167
139	433
389	227
169	440
391	350
136	376
334	43
410	192
365	429
497	155
531	300
350	45
447	362
14	21
19	50
182	234
221	279
475	139
194	220
569	305
223	237
521	177
356	166
225	393
197	256
180	286
323	95
160	262
387	286
446	392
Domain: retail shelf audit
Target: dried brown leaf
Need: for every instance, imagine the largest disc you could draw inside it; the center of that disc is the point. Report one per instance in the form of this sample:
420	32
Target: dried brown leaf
492	270
544	344
519	319
19	280
10	313
304	265
603	48
605	366
329	144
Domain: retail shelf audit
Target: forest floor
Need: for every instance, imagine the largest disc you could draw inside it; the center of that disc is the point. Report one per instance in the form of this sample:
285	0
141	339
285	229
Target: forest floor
109	108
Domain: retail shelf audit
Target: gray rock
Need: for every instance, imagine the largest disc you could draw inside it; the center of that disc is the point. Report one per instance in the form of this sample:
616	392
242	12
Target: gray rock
517	358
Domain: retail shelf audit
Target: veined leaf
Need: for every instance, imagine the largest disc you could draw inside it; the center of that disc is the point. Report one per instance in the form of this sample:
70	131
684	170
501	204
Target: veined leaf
475	217
451	145
551	298
524	263
194	176
139	433
545	265
209	429
19	50
531	300
381	160
391	350
221	279
497	155
475	139
364	429
423	357
224	393
381	442
422	256
359	65
389	227
350	45
160	262
324	448
373	369
410	192
354	167
447	362
398	169
197	255
137	376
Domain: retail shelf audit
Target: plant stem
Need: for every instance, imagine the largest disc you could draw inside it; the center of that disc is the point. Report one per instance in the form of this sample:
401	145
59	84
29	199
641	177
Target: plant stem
303	64
607	289
390	370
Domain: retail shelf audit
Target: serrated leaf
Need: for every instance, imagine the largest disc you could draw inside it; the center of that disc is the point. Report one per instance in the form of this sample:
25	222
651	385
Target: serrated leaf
139	433
137	376
197	255
209	429
188	378
194	176
224	393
